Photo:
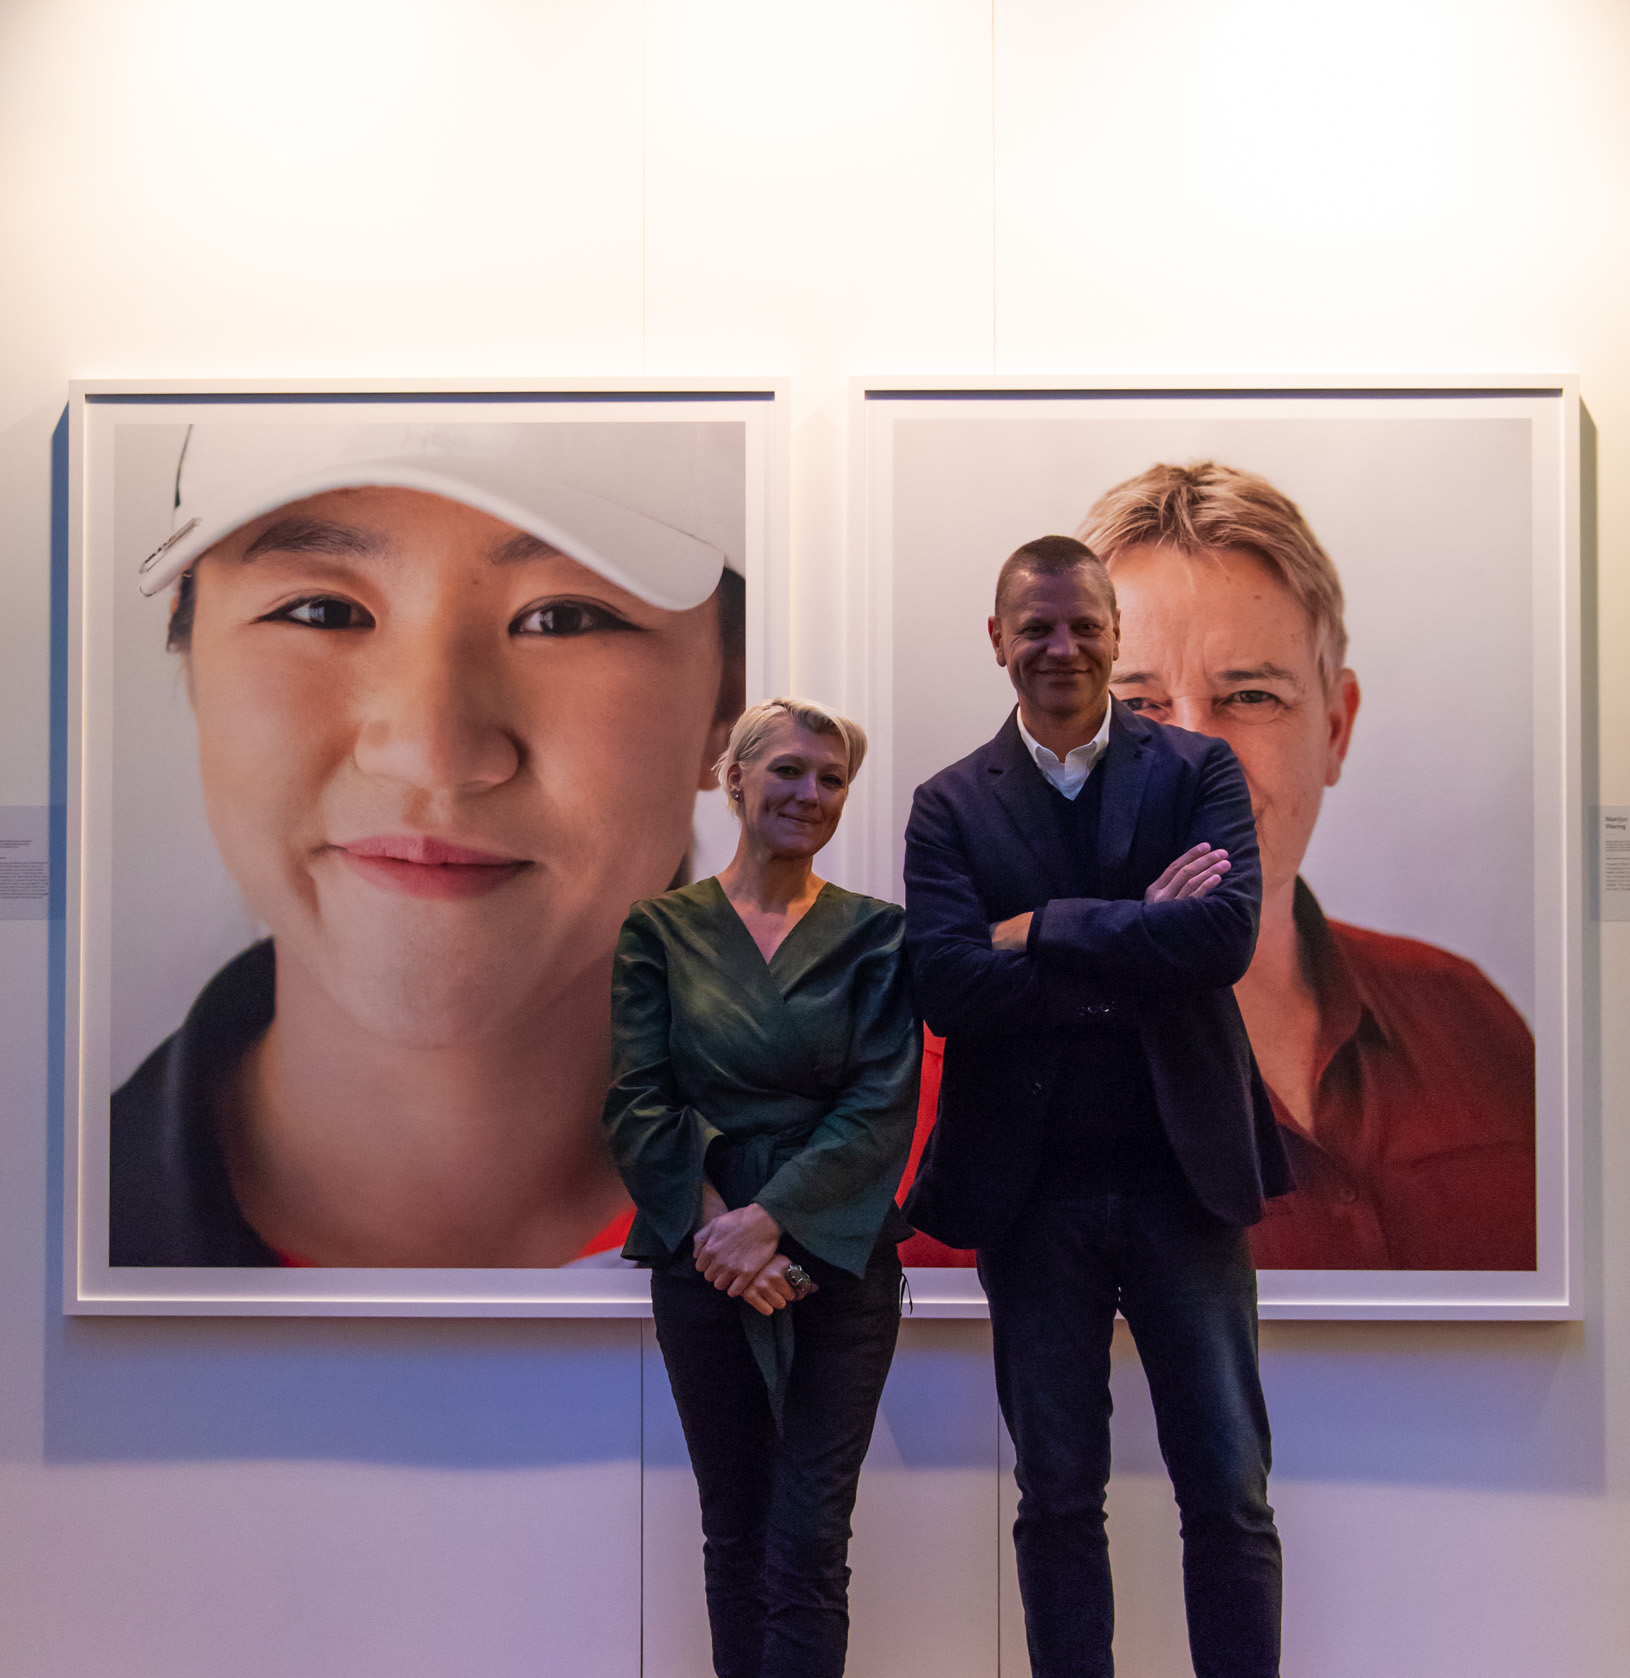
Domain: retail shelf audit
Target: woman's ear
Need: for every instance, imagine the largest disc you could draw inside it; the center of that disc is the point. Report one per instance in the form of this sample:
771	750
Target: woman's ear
178	636
731	702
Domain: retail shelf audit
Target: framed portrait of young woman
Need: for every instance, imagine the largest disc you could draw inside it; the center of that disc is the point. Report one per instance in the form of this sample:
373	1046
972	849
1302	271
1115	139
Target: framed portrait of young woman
386	701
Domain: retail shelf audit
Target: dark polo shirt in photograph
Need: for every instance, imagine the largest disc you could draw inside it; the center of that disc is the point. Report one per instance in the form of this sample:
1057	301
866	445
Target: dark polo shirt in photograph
1104	1134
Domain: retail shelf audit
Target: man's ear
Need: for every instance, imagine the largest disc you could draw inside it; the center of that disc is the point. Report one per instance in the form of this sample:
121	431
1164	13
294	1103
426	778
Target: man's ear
993	628
1340	711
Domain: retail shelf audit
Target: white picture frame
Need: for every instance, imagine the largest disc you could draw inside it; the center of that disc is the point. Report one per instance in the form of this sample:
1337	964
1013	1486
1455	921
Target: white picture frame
931	693
100	581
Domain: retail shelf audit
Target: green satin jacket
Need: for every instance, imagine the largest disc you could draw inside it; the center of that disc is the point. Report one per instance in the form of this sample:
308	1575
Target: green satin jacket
792	1082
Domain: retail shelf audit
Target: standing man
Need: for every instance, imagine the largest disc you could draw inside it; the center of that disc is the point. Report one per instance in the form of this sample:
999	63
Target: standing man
1081	895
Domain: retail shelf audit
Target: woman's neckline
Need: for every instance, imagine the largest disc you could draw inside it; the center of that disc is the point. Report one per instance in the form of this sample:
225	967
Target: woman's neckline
781	943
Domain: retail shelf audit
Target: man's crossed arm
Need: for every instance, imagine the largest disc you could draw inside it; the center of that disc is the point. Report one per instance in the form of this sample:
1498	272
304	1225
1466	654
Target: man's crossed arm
1193	928
1193	874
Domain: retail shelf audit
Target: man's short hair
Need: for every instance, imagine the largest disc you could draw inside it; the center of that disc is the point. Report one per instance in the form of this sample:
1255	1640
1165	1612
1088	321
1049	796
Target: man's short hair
1194	508
1050	556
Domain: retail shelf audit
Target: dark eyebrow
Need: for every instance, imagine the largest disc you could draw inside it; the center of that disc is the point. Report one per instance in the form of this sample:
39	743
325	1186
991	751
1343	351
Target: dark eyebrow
314	536
522	545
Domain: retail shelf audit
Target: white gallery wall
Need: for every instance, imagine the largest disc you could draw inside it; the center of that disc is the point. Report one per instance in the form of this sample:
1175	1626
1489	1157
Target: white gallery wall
213	188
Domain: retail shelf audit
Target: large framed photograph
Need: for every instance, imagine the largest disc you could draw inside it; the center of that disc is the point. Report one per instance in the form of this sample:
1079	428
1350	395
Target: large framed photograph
386	702
1372	594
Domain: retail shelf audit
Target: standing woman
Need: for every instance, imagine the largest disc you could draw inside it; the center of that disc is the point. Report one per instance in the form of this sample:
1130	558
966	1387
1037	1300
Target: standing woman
766	1058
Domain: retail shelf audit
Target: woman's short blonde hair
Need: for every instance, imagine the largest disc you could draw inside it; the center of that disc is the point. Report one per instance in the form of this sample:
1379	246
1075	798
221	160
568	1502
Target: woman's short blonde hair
747	738
1191	509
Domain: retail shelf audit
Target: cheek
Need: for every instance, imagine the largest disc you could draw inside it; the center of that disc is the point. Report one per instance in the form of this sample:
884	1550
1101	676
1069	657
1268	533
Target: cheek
1284	764
634	721
268	737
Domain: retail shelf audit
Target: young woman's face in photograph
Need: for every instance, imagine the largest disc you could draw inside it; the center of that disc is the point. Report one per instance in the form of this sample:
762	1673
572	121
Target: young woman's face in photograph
440	758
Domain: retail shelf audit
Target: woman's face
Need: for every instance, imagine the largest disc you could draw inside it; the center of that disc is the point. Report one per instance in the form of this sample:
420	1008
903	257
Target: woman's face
793	792
440	758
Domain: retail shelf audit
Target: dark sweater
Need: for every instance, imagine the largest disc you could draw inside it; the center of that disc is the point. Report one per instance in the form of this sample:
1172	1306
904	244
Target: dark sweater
1104	1134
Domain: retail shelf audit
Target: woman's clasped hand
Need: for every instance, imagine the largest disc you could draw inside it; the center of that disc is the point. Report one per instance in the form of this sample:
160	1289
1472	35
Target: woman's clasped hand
736	1251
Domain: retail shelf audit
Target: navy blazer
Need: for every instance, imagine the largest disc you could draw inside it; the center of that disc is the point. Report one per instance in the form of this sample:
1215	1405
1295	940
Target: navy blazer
983	845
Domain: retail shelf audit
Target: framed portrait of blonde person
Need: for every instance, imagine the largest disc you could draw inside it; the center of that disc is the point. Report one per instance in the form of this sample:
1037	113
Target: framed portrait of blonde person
1372	594
386	702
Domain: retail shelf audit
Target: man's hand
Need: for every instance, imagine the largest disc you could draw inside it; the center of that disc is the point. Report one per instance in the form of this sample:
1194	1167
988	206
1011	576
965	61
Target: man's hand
713	1205
734	1247
1194	873
1012	935
770	1290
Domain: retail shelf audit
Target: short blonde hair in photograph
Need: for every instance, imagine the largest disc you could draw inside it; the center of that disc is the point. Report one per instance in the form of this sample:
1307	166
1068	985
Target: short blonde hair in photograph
1204	505
752	728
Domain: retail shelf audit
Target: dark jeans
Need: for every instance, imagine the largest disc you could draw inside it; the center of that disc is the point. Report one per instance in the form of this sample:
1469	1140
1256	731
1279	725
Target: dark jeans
775	1509
1185	1284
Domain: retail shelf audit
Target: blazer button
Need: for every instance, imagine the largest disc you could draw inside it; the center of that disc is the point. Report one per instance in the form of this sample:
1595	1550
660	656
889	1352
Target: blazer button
1036	1089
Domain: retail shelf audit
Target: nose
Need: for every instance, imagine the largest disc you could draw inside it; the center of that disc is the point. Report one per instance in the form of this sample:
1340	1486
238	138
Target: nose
433	716
1061	643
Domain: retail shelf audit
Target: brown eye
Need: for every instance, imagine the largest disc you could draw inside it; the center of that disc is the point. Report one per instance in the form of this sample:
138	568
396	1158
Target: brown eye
322	611
565	618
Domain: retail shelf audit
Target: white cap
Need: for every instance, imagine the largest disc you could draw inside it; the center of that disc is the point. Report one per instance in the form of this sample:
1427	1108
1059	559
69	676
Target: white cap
656	507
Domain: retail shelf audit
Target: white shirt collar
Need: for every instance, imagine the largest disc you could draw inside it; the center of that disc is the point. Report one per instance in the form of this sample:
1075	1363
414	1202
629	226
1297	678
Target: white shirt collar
1070	775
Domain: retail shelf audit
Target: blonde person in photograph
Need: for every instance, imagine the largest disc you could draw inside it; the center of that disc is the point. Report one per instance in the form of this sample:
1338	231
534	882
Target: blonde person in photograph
456	688
766	1057
1402	1080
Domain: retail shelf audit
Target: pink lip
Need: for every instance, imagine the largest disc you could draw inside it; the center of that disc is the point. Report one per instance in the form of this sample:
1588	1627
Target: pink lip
420	866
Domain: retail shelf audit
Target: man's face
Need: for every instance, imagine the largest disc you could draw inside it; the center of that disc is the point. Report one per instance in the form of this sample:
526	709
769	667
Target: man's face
1215	643
1056	636
439	758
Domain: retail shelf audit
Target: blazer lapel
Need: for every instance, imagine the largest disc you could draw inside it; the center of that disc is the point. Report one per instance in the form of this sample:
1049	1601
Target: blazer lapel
1125	768
1022	791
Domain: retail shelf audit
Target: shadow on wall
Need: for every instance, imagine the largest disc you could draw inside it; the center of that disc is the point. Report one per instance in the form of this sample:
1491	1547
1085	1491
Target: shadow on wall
449	1394
1482	1405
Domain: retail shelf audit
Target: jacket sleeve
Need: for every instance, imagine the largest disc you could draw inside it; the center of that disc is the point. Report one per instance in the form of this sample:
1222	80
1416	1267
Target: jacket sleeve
834	1193
959	980
1198	944
658	1141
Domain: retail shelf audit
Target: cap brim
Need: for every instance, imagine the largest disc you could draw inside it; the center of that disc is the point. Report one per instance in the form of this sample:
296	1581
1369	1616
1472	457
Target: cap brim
673	571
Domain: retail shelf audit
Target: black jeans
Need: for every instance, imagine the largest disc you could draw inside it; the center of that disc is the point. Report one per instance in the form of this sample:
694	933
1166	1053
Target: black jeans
1185	1284
775	1509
